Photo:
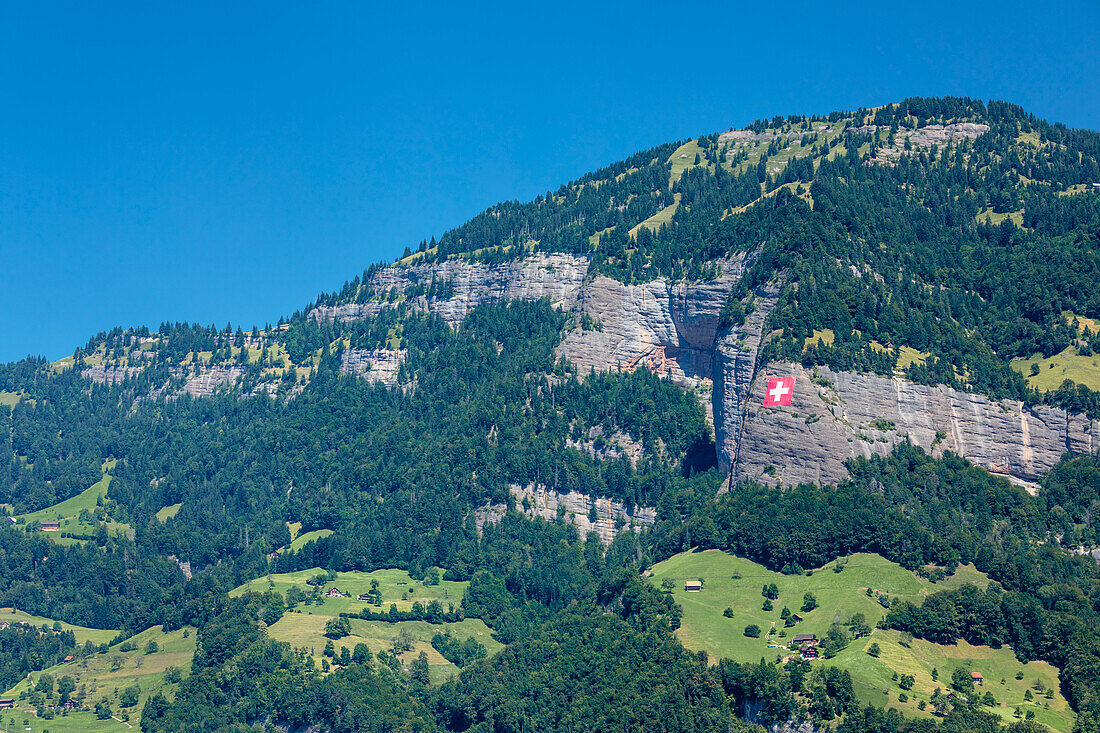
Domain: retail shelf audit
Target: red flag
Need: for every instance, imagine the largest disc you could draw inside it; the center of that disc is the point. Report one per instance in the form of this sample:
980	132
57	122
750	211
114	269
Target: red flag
780	390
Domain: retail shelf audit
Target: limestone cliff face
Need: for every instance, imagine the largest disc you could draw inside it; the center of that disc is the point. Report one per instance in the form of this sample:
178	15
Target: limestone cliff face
672	328
555	276
374	365
835	416
612	517
734	366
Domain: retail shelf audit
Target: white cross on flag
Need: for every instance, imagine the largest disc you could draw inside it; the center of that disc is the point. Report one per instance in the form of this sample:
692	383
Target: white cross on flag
780	390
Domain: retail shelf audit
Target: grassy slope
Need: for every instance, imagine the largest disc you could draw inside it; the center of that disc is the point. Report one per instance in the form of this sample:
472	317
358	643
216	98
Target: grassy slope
72	506
168	512
68	511
682	159
99	681
82	633
305	538
839	595
305	626
1060	367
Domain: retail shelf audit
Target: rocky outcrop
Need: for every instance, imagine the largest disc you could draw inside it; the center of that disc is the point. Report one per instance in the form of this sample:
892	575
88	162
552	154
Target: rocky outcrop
467	285
110	374
612	517
835	416
667	327
672	329
922	139
210	379
374	365
609	448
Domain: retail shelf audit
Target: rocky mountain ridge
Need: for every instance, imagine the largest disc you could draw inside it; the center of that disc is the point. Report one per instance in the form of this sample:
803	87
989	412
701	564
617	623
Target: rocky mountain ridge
673	329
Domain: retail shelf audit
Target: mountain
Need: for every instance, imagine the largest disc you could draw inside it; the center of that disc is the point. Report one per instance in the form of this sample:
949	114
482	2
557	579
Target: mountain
599	358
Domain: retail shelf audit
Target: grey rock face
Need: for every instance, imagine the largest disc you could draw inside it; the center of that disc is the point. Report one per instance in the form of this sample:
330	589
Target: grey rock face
575	508
210	379
539	502
835	416
556	276
734	359
111	374
374	365
672	329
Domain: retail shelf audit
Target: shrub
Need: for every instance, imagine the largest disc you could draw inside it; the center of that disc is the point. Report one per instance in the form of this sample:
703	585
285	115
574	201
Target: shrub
874	650
728	613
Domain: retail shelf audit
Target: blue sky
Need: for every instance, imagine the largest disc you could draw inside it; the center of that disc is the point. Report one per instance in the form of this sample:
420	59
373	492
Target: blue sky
218	162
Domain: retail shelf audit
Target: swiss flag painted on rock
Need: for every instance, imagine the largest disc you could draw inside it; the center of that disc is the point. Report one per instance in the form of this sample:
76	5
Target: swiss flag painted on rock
780	390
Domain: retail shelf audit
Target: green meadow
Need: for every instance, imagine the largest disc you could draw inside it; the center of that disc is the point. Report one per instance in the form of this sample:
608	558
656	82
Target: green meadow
82	633
305	538
736	583
1067	364
106	676
68	513
304	627
166	513
71	507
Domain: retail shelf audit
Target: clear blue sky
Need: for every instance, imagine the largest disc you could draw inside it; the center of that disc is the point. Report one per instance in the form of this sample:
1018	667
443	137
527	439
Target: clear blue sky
219	162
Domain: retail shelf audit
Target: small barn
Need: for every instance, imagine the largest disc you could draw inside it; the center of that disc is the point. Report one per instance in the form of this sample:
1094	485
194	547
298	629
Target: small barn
976	678
7	703
693	585
51	526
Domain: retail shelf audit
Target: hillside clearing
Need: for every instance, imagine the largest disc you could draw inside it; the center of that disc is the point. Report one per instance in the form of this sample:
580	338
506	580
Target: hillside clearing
108	675
168	512
82	633
1067	364
736	583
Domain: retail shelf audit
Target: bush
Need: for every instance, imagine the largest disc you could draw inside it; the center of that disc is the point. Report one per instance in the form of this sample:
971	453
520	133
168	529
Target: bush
874	650
728	613
752	631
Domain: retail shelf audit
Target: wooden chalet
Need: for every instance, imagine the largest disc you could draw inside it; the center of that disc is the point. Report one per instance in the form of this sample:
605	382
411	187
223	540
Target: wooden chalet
7	704
51	526
693	585
363	597
809	652
796	618
809	639
976	678
335	593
